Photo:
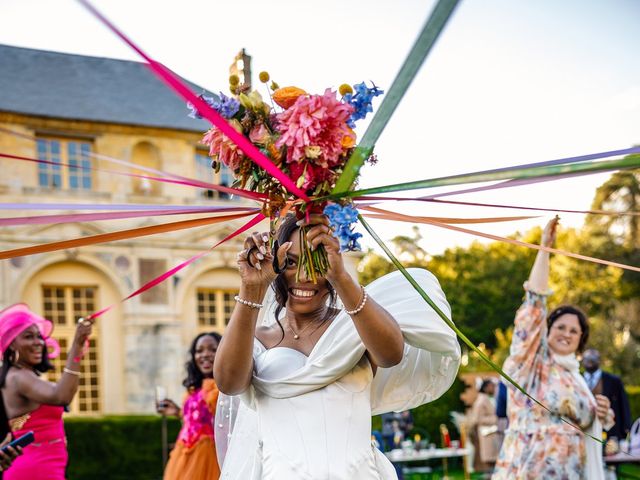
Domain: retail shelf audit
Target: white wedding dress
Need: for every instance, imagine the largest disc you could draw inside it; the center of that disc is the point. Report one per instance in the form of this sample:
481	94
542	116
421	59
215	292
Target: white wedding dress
309	418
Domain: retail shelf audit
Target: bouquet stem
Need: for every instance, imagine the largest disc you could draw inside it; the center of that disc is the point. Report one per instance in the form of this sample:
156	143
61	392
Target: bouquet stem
314	262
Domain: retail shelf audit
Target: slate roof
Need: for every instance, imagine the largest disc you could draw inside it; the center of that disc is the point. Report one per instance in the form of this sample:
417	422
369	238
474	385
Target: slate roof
77	87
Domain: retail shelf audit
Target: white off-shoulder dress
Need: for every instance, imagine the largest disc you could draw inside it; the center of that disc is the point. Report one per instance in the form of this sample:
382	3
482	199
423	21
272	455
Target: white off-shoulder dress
309	418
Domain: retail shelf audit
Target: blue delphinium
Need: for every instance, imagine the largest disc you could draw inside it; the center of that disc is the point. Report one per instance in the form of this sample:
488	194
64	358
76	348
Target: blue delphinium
340	220
361	101
226	106
194	111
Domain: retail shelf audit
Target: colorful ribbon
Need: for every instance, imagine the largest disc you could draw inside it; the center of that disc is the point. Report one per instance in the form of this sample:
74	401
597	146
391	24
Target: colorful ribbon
119	235
152	283
203	108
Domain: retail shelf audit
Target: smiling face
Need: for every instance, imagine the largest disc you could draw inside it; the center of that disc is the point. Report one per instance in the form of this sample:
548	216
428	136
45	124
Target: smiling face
30	346
564	334
304	296
205	354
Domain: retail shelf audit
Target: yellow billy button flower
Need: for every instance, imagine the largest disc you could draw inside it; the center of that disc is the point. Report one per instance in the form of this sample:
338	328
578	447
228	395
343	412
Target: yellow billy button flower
344	89
264	77
274	86
234	80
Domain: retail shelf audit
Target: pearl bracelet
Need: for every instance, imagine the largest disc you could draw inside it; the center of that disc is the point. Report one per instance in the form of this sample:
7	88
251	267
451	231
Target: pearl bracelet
247	302
361	305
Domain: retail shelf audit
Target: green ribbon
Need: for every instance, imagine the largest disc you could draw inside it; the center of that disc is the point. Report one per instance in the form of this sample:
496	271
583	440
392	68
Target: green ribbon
632	161
421	48
452	325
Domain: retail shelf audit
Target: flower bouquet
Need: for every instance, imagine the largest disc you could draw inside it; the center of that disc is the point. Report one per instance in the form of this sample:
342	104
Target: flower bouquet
309	137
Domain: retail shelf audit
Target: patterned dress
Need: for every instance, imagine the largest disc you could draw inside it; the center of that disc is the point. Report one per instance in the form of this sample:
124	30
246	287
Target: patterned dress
194	456
538	444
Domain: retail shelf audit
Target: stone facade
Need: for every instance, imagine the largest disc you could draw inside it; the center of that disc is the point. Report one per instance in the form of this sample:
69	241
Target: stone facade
141	343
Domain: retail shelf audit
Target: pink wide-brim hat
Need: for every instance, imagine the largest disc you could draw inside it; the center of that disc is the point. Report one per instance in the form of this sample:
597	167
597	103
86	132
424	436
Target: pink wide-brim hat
16	318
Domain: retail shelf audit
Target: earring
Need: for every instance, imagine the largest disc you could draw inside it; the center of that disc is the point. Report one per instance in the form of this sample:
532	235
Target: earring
16	356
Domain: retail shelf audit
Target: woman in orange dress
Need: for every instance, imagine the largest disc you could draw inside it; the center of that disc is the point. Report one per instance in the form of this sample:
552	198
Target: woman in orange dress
194	455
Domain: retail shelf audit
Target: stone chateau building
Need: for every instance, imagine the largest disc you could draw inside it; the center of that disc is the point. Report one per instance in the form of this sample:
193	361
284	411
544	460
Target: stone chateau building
62	108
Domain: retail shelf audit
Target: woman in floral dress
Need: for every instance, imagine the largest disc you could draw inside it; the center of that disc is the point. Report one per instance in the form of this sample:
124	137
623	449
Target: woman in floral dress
194	456
538	443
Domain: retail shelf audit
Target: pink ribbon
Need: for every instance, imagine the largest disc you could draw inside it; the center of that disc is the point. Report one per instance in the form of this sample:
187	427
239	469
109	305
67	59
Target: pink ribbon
188	182
152	283
90	217
203	108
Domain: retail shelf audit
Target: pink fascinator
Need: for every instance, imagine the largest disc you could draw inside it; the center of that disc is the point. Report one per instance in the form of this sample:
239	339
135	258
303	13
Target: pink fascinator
17	318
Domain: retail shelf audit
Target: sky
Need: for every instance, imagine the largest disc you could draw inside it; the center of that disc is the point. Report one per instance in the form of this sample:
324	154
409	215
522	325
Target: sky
508	82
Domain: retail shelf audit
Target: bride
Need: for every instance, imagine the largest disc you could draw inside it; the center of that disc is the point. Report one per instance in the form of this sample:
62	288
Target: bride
311	380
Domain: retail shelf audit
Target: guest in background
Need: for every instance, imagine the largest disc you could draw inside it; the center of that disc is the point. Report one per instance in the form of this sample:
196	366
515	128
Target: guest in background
539	443
31	403
194	456
483	428
604	383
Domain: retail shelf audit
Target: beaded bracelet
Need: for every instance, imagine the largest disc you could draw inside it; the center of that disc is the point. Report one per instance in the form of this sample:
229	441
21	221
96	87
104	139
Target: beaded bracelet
361	305
71	372
247	302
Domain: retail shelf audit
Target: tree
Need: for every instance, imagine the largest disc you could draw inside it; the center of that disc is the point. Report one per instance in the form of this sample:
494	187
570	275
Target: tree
621	193
483	283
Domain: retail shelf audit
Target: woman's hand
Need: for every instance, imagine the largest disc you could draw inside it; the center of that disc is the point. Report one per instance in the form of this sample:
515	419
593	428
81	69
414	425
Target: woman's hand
320	233
549	233
168	407
602	407
255	262
9	455
539	276
83	331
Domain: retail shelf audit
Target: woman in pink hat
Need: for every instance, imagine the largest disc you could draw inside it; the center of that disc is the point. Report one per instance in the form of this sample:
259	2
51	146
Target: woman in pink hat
31	403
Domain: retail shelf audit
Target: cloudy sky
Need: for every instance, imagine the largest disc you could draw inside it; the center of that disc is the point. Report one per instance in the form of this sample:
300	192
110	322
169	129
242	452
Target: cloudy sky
509	81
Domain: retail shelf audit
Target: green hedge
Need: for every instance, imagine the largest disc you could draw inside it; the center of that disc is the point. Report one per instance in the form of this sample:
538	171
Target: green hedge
117	447
633	392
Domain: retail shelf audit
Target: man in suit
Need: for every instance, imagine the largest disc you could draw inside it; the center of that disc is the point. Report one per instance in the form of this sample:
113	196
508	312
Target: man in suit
610	386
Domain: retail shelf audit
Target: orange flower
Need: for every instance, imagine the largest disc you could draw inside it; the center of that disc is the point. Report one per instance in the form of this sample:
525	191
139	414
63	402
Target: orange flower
287	96
349	140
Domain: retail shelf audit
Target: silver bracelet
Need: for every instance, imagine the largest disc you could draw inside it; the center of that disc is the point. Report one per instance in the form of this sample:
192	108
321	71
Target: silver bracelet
72	372
361	305
247	302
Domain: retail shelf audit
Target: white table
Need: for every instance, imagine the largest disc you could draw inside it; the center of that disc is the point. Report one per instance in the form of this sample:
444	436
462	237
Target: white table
405	456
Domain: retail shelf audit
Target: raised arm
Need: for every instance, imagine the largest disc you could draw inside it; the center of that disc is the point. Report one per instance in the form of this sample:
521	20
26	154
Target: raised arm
529	325
234	358
63	391
378	330
539	276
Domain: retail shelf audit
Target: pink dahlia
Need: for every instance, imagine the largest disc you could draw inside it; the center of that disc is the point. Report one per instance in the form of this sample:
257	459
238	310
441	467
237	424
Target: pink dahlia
223	149
315	121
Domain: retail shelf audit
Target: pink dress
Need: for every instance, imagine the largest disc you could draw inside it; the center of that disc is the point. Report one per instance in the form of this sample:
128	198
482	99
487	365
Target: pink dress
46	458
194	456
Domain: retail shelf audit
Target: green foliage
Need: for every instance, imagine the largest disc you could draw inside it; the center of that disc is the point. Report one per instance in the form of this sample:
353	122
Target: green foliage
497	355
633	392
429	417
373	266
117	447
483	284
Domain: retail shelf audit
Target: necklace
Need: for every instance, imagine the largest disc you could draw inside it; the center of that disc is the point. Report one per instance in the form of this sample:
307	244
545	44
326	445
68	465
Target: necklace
296	335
